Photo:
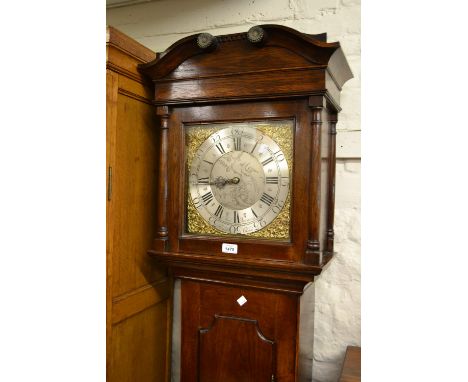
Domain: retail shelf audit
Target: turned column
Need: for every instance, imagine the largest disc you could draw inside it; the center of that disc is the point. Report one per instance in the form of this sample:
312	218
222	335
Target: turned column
333	119
161	239
312	254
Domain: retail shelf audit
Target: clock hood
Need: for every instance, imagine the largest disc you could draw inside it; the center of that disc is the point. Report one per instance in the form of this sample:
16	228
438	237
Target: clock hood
233	66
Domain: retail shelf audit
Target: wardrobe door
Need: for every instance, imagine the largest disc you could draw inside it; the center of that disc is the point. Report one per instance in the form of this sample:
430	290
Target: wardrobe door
139	303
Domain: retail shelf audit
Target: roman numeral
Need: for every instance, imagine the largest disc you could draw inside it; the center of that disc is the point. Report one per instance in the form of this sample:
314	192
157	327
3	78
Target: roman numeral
237	143
256	143
204	180
207	198
271	180
219	211
236	217
256	216
220	148
267	199
266	161
279	156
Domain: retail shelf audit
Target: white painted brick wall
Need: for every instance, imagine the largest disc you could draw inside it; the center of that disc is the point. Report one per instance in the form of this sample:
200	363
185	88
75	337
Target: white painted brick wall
158	24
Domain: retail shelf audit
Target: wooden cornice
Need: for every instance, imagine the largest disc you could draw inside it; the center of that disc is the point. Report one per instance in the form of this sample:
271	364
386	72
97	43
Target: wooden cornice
312	48
128	45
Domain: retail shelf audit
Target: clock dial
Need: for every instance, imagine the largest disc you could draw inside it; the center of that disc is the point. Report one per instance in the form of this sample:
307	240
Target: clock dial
239	179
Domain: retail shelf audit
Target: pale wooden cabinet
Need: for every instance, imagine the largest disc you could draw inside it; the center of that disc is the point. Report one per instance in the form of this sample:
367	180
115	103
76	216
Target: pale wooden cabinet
139	302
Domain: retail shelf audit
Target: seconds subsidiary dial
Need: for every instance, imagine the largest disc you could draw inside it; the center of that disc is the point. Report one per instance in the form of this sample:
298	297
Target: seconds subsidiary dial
239	180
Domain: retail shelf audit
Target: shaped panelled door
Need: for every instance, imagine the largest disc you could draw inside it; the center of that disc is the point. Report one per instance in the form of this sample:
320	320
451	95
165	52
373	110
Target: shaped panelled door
234	349
227	340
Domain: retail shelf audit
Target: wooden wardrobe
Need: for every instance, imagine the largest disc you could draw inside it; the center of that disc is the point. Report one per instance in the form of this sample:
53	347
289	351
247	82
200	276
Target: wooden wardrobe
139	301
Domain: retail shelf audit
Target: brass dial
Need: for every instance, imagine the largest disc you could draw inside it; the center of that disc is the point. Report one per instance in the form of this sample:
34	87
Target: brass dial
239	179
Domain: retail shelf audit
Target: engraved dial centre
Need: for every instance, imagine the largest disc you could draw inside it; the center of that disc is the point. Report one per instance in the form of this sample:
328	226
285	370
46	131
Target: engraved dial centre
243	179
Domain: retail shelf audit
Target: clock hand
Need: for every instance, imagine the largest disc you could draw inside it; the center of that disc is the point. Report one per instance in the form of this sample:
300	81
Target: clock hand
234	180
220	182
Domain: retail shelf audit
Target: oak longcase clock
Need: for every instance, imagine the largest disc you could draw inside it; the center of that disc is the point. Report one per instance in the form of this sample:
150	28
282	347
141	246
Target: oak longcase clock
246	191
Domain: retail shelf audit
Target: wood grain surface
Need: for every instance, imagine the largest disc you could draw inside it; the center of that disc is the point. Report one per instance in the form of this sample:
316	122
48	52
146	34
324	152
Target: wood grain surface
223	341
138	292
351	371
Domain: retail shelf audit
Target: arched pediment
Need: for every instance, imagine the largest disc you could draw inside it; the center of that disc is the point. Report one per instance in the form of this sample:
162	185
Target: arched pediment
235	53
283	55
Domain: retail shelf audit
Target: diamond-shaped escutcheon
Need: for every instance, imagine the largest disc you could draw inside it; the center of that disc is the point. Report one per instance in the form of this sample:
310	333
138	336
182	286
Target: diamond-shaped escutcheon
241	300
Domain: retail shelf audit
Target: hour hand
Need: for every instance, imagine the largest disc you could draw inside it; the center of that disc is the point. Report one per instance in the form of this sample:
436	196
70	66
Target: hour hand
234	180
220	182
